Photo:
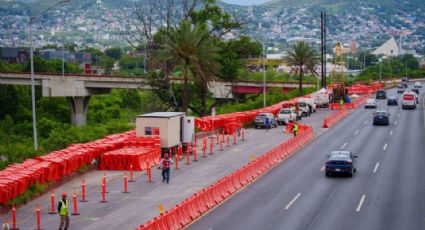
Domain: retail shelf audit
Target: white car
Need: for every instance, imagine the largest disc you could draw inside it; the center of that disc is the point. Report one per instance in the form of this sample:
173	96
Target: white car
417	85
286	115
370	104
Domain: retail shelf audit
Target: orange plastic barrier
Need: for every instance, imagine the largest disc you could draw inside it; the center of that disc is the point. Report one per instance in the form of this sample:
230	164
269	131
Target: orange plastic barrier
196	205
18	178
137	157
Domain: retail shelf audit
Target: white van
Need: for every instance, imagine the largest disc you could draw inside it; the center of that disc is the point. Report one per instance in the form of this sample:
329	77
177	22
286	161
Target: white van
408	100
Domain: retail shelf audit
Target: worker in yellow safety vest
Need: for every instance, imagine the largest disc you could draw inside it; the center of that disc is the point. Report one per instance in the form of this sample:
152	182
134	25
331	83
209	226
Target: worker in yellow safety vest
295	128
63	212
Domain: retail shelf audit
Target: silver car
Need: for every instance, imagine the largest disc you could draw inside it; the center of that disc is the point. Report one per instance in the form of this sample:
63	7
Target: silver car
260	120
370	104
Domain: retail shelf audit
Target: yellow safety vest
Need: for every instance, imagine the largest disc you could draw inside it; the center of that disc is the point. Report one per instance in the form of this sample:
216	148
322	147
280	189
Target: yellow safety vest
295	128
64	208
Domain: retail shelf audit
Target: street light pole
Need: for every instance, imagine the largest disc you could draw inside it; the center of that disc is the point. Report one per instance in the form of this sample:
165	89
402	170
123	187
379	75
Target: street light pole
34	119
380	70
63	61
264	75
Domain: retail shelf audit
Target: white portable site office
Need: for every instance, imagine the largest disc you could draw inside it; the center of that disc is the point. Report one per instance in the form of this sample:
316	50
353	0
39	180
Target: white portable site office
173	128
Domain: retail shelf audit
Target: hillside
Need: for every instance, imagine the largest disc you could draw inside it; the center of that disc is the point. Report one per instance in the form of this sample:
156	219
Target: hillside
85	23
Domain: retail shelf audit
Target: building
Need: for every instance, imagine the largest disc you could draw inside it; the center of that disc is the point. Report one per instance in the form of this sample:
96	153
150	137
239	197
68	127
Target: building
12	55
389	49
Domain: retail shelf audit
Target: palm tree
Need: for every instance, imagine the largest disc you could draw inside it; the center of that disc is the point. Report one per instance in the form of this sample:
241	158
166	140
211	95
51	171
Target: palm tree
304	57
190	46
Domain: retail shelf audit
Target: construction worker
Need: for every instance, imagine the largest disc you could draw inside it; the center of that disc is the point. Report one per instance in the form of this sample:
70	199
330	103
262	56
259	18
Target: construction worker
341	103
6	225
295	128
165	164
267	123
63	212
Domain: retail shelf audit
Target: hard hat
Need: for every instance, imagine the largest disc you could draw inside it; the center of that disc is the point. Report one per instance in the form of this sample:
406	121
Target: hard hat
63	193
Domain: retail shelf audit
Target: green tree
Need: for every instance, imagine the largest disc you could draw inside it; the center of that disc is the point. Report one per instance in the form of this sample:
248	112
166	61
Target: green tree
213	18
304	57
114	53
190	46
131	63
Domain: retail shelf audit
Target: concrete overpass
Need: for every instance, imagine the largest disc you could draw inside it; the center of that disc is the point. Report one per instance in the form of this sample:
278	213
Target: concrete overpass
78	88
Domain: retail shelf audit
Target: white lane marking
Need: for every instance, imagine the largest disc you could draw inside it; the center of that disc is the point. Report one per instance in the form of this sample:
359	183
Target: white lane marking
360	203
322	169
376	167
357	132
385	146
343	146
292	201
398	115
366	122
395	122
391	133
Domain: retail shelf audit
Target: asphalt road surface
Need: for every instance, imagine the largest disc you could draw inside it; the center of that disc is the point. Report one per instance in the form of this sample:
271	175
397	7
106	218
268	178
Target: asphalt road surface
387	192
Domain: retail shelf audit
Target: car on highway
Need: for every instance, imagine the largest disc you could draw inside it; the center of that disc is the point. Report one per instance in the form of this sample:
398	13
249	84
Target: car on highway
286	115
400	89
370	104
405	81
417	85
409	100
260	120
415	90
392	101
381	94
341	162
381	118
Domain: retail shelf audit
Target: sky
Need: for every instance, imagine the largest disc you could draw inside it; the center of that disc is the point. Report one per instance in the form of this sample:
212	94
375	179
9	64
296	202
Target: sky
245	2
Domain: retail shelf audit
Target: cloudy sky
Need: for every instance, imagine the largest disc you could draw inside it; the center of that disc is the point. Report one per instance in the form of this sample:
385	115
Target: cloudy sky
245	2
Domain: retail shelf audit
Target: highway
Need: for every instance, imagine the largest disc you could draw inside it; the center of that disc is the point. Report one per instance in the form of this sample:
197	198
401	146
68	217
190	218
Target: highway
387	192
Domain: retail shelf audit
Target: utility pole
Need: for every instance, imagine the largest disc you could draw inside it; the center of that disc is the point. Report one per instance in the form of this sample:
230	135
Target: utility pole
323	46
34	119
364	58
380	70
264	75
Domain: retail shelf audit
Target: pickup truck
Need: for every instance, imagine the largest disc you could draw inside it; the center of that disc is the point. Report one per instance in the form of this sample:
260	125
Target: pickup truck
286	115
304	108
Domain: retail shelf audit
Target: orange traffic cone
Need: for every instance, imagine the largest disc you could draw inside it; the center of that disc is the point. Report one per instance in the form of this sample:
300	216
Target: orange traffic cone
325	123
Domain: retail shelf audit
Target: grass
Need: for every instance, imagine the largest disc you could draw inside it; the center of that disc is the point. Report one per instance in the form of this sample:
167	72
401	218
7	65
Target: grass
34	191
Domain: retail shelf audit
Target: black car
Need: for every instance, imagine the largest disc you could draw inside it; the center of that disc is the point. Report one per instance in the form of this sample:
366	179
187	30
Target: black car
416	91
400	89
392	101
381	118
341	162
381	94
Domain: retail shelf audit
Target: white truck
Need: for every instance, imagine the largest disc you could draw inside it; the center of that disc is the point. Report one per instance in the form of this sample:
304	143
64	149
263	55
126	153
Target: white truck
311	104
321	98
286	115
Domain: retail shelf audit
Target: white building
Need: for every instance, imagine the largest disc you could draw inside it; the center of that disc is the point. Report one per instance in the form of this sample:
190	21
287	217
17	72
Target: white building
389	48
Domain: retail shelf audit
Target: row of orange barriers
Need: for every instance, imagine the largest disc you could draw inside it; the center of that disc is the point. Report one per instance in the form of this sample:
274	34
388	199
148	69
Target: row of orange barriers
193	207
18	178
364	89
210	123
334	118
136	157
337	106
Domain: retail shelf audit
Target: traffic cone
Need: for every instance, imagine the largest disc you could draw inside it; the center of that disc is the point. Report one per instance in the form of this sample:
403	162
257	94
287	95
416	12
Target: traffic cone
325	123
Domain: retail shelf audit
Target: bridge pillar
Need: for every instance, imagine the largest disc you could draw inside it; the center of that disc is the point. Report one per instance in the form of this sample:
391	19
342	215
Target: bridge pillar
79	107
